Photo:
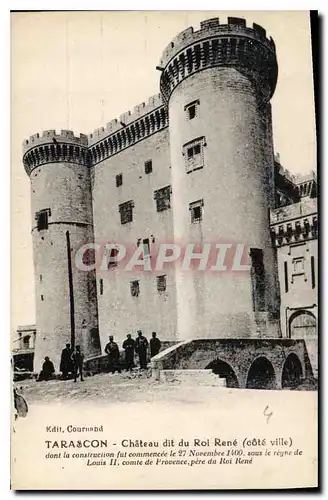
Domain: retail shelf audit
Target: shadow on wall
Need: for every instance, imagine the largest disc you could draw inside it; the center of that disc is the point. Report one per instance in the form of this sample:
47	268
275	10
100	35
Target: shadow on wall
224	370
261	375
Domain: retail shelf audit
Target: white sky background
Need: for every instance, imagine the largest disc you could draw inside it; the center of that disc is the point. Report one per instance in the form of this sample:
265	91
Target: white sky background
79	70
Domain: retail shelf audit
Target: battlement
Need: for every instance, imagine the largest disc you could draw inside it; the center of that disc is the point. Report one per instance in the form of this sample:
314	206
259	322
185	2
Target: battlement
303	178
232	45
50	136
126	118
146	120
285	173
51	147
210	27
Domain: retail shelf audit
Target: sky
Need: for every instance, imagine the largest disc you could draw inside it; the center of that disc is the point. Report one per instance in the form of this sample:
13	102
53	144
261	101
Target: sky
79	70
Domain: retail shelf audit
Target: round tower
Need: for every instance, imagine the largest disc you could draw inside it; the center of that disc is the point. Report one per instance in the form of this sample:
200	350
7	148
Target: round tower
66	299
217	83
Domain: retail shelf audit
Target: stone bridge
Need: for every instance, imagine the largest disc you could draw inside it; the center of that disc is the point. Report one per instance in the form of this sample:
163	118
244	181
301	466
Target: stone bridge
244	363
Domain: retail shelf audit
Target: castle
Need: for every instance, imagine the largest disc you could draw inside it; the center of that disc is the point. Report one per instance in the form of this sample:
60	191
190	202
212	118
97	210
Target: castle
195	164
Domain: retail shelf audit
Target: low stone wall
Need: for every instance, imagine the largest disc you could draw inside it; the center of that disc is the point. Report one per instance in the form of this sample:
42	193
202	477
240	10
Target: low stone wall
251	363
191	377
99	364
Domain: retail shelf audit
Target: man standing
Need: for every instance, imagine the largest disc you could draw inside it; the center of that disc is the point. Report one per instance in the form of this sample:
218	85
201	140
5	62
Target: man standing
155	345
129	346
77	358
141	349
113	354
66	365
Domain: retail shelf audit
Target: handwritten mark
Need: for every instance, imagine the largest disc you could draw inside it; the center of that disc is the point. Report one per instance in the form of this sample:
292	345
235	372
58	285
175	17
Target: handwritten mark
268	414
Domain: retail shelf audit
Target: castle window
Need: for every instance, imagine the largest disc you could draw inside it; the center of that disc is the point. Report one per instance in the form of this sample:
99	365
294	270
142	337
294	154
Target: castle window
148	167
135	288
42	219
196	211
101	286
26	342
161	283
112	261
146	247
191	110
163	198
42	298
126	212
119	180
298	265
193	152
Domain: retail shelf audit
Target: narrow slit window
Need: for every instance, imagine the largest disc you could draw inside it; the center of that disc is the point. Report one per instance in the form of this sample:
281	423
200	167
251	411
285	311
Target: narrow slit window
196	211
161	283
146	247
312	272
286	276
135	288
148	167
119	180
112	258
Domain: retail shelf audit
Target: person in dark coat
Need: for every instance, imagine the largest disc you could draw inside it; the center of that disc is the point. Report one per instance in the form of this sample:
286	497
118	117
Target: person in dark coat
129	346
155	345
113	354
66	364
77	359
141	349
47	371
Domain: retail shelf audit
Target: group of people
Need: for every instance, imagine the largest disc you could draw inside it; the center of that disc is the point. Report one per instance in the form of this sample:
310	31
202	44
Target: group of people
71	362
130	346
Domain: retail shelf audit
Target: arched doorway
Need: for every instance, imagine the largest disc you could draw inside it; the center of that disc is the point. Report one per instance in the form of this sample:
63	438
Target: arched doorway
302	324
224	370
261	375
292	372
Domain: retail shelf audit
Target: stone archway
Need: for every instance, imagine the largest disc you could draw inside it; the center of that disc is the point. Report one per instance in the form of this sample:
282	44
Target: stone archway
292	372
261	375
224	370
302	324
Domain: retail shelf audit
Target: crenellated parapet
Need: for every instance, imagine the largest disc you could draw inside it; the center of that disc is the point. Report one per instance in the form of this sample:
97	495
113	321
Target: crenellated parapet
306	184
221	45
147	119
294	223
119	134
139	111
51	147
